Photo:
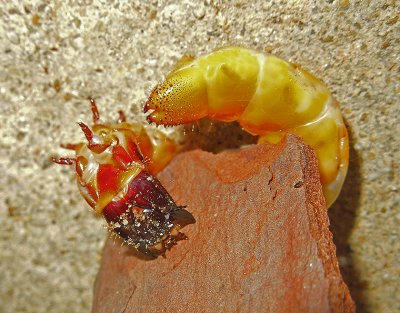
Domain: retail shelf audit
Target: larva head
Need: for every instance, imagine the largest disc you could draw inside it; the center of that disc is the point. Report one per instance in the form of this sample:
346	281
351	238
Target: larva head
180	98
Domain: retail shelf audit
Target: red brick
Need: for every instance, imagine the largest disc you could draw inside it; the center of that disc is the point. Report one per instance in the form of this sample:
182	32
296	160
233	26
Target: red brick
261	242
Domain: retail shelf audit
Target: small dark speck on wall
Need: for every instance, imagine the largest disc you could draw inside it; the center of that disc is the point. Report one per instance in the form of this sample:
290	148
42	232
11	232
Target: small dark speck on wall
298	184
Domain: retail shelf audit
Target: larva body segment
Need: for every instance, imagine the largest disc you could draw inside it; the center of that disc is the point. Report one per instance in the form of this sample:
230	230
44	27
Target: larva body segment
266	95
115	173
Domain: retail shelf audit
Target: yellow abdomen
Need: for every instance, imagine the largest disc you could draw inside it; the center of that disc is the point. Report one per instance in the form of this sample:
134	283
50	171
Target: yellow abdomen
266	95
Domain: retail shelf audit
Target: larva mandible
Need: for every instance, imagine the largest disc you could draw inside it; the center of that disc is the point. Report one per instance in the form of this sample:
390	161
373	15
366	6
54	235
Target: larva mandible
266	95
115	173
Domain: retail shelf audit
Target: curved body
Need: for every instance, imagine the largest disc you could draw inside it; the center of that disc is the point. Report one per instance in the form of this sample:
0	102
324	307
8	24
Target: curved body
266	95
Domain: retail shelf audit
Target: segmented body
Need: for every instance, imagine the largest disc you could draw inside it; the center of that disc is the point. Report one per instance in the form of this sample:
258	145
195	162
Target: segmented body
266	95
115	172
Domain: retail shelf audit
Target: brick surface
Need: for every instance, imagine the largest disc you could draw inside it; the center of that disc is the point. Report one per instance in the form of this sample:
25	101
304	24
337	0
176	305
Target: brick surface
261	242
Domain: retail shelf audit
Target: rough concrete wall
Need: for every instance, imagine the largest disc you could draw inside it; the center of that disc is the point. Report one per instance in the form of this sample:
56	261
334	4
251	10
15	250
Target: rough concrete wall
53	55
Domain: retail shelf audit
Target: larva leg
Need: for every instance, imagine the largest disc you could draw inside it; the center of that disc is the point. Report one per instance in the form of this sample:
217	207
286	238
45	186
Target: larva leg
95	111
121	117
266	95
69	146
63	161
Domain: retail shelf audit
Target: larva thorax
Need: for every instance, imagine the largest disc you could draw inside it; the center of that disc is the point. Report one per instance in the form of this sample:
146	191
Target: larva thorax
108	162
266	95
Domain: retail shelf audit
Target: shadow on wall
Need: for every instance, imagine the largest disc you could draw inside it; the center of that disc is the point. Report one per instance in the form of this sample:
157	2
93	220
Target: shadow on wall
342	217
214	136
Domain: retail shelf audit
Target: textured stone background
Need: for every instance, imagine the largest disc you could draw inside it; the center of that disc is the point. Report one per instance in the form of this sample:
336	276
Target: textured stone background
54	55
